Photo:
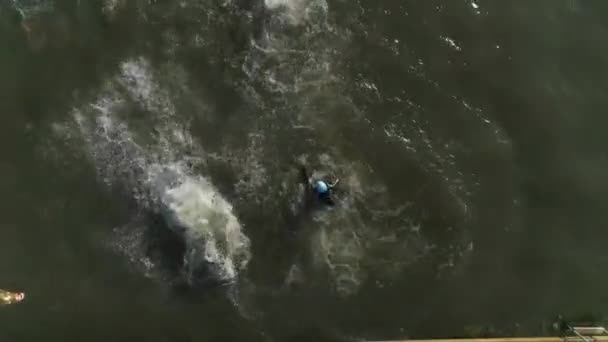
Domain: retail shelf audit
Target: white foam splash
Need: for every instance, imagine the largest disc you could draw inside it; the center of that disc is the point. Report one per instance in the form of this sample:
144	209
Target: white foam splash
156	173
212	229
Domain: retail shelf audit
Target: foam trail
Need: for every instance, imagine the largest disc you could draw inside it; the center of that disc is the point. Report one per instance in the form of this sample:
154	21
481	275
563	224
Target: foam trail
157	174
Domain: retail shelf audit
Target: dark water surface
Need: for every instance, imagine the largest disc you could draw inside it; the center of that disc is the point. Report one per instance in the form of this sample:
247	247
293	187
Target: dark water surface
149	181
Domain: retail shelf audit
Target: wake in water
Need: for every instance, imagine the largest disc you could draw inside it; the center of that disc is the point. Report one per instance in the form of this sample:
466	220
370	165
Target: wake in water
158	167
294	59
298	106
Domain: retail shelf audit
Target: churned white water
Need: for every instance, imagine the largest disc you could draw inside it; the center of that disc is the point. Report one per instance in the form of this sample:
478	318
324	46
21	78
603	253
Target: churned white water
156	167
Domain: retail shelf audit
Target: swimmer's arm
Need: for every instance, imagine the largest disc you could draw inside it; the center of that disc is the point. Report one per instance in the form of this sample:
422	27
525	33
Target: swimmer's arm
304	176
334	183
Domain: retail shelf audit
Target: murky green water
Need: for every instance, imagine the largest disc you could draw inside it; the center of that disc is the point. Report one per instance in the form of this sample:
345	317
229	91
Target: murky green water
149	152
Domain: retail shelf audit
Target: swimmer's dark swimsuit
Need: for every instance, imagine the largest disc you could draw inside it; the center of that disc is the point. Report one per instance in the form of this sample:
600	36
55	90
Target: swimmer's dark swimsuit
325	198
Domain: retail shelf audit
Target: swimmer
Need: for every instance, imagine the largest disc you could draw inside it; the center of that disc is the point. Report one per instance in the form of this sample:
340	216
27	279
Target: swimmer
321	188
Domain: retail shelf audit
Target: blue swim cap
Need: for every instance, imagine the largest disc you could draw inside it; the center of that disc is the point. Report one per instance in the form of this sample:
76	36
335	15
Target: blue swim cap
321	187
